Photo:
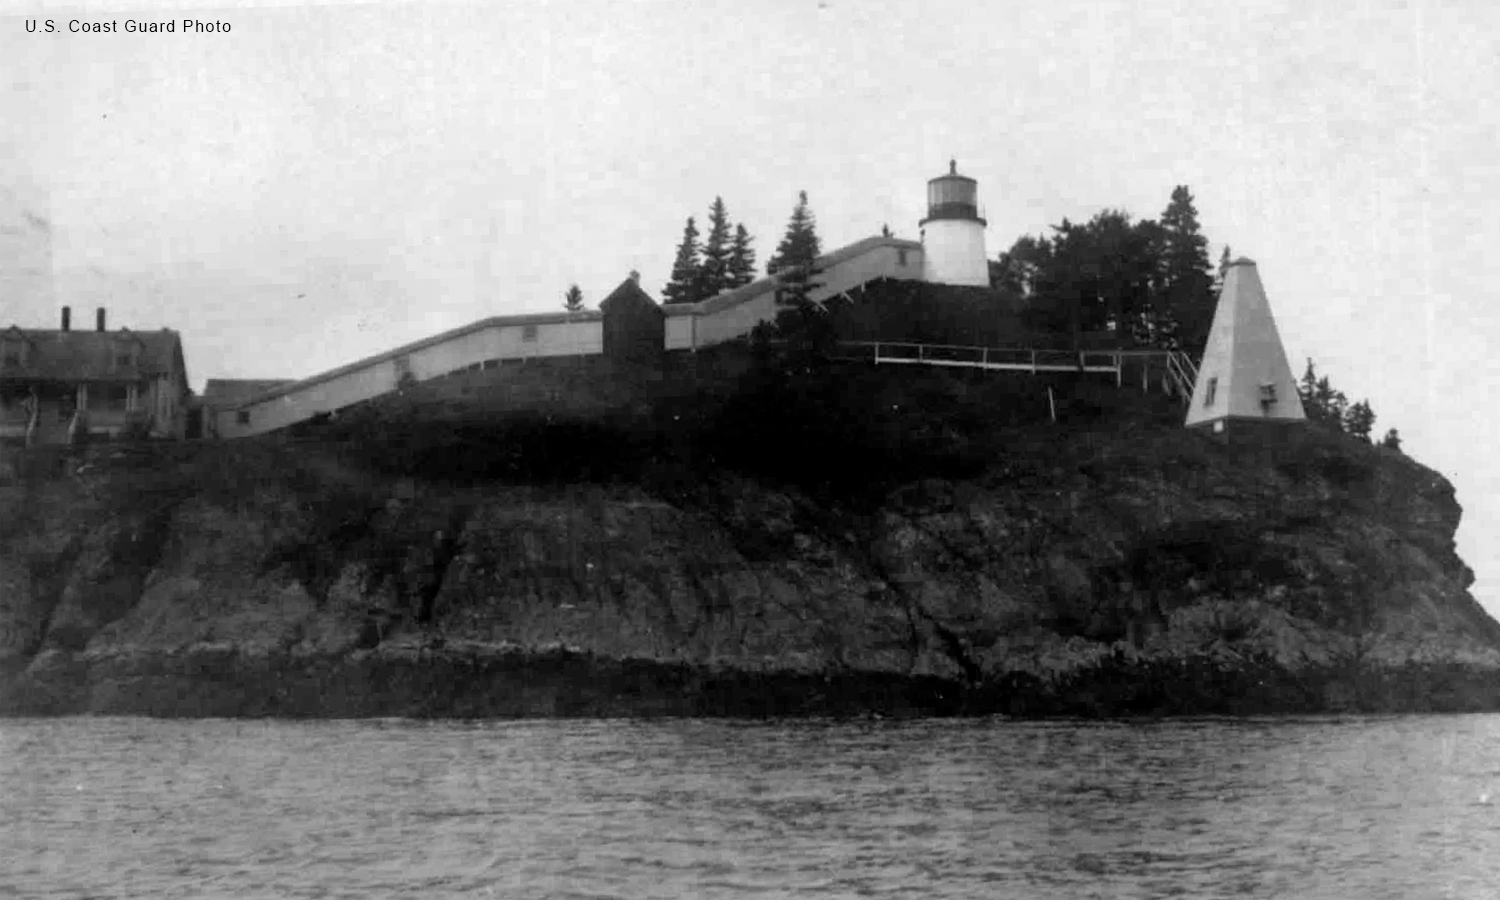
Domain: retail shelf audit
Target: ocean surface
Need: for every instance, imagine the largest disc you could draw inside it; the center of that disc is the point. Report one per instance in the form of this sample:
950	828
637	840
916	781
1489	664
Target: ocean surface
1404	807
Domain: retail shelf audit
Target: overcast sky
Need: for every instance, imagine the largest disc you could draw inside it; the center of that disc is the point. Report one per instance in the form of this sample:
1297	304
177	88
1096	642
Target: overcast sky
327	181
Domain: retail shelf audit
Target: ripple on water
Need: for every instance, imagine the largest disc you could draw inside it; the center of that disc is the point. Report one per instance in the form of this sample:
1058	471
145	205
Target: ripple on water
1328	807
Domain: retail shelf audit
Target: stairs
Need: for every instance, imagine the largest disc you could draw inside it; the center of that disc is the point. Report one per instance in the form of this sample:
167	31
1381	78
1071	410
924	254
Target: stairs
1182	374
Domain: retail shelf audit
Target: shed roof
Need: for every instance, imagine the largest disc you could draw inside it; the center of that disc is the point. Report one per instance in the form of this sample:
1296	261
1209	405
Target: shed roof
629	290
761	286
546	318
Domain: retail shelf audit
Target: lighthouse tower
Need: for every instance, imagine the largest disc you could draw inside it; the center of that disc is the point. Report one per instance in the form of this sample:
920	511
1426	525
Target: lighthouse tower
1245	375
953	232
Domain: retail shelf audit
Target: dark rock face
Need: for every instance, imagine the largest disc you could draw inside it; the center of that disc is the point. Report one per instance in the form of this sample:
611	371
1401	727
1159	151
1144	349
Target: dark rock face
1153	573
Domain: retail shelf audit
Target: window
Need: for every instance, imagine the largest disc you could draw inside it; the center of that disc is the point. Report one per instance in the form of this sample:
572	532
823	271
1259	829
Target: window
242	417
528	334
114	396
125	359
13	354
1210	391
901	257
1267	394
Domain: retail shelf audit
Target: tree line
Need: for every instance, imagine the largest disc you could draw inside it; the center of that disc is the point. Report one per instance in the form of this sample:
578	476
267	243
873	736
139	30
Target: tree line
723	260
1148	281
1328	407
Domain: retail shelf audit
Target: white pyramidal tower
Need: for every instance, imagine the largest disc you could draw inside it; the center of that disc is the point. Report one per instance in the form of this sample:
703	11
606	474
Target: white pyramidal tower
1244	375
953	232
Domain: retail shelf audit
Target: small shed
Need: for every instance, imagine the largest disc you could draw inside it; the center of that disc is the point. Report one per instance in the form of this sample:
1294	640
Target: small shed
634	325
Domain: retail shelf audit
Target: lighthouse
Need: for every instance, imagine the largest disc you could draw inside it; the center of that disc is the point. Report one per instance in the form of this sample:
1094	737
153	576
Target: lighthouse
1245	375
953	232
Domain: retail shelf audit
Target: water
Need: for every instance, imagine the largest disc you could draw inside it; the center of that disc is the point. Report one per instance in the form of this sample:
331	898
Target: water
1333	807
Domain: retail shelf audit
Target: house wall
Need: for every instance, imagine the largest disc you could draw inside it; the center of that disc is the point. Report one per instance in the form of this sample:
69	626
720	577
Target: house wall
737	321
881	262
383	375
680	333
105	406
165	403
52	422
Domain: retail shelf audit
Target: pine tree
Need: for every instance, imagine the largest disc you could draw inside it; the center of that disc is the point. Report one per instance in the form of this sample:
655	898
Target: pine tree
713	271
800	246
1189	284
1333	406
1328	406
1308	386
1359	419
1392	441
741	258
573	299
682	286
796	255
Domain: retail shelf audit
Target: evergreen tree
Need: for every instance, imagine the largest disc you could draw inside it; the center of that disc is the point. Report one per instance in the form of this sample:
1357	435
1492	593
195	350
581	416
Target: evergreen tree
1327	406
1158	325
1392	441
800	246
1359	419
683	284
1333	406
796	255
1308	386
573	299
1189	284
741	258
713	271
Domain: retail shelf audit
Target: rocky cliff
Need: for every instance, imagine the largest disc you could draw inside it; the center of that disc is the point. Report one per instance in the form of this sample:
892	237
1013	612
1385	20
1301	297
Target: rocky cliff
1110	564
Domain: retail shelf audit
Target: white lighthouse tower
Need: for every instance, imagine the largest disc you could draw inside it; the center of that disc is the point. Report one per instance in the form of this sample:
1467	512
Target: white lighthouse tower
953	232
1245	375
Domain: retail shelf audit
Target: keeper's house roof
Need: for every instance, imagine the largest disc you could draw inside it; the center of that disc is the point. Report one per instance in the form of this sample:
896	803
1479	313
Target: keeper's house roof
55	355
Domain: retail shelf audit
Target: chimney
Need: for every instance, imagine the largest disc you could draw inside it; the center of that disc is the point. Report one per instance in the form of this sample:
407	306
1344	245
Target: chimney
67	321
99	319
635	276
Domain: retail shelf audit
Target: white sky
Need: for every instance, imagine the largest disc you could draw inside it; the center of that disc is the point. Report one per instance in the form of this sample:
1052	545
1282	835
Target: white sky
327	181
